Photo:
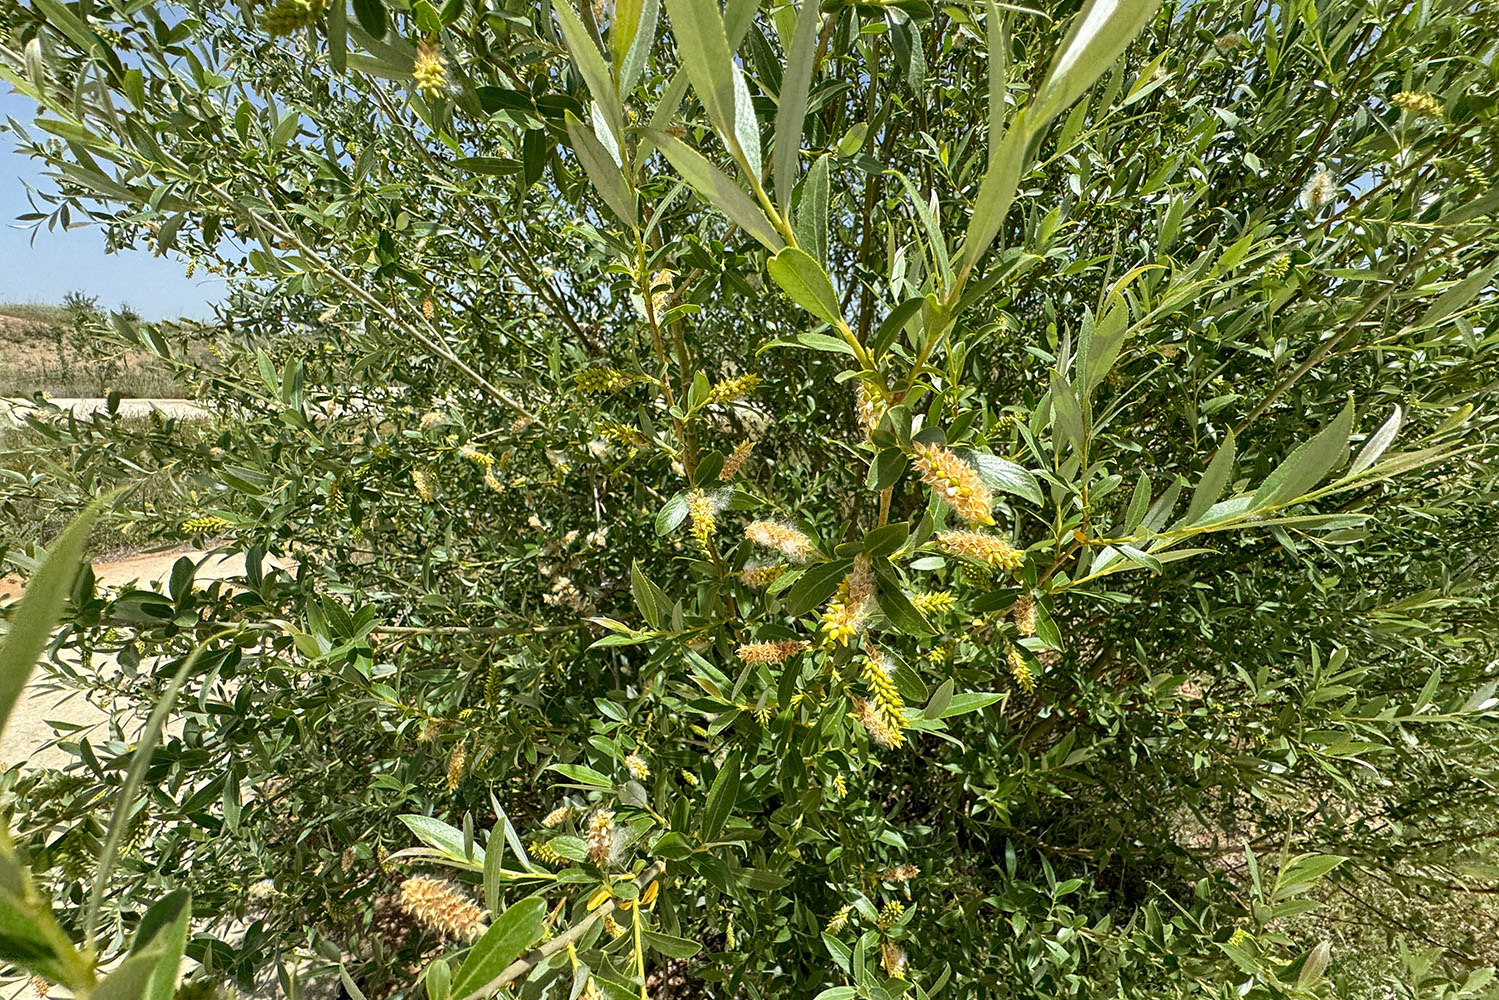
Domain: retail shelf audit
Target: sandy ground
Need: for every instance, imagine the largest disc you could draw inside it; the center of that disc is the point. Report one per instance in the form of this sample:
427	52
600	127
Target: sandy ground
28	732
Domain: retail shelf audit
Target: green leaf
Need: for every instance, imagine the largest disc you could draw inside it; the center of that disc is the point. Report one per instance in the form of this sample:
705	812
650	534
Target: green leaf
131	978
1100	32
590	63
584	775
642	36
371	16
1378	443
999	55
1105	344
607	177
970	701
886	539
1454	298
440	836
1301	873
721	796
438	979
163	929
671	947
716	186
1214	478
37	615
898	609
1003	474
1066	411
806	282
939	701
1306	466
791	115
997	191
816	585
812	211
704	50
671	514
506	940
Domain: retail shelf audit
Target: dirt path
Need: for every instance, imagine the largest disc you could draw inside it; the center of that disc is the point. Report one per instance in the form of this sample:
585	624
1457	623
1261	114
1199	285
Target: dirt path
28	731
15	410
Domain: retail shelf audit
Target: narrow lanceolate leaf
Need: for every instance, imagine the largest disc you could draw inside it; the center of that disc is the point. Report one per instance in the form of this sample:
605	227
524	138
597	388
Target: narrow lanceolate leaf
999	53
704	50
607	178
507	938
1214	478
37	616
642	37
796	84
1104	346
806	282
1306	466
718	188
1378	442
745	142
997	191
1455	298
1099	34
722	795
164	927
812	211
590	63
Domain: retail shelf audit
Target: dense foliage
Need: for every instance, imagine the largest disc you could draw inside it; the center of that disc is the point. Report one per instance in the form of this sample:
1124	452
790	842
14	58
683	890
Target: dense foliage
868	497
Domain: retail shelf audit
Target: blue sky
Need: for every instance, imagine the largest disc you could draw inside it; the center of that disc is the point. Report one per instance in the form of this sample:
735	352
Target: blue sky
59	262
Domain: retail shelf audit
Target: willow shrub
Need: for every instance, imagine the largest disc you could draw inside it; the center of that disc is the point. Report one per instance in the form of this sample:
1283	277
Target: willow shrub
976	499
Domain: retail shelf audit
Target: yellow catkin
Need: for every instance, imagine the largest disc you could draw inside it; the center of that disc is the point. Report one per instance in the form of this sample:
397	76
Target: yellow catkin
891	913
543	852
1020	670
838	921
430	69
206	524
840	622
601	837
840	785
757	576
888	704
1419	105
557	817
700	511
731	389
786	540
955	481
1278	267
638	768
442	907
432	418
286	16
989	549
455	766
613	926
933	603
770	652
733	462
600	379
1025	614
482	459
423	484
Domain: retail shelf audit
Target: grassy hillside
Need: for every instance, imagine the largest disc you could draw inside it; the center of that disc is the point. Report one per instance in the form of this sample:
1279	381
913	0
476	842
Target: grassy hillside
41	350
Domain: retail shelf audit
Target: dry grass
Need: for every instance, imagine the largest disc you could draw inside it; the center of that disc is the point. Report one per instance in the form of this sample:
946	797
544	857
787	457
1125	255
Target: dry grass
37	355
